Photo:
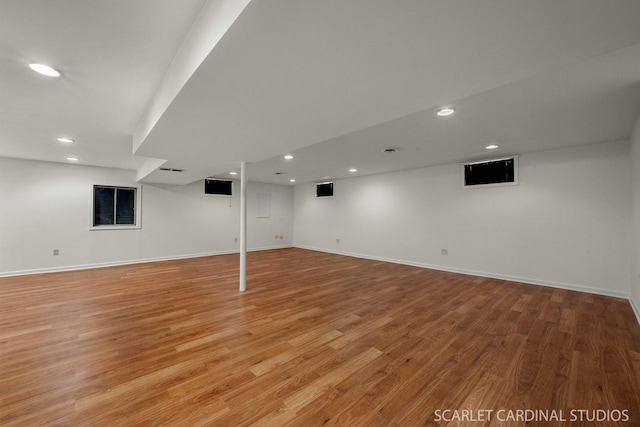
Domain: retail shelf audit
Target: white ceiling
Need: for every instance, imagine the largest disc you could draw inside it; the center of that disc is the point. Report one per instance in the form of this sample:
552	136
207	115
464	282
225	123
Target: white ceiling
112	55
207	84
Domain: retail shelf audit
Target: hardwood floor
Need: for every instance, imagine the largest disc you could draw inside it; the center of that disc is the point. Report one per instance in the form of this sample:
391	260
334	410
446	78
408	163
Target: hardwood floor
318	339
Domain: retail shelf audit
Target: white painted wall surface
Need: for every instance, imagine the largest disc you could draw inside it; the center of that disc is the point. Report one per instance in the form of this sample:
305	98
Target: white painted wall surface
635	217
567	223
46	206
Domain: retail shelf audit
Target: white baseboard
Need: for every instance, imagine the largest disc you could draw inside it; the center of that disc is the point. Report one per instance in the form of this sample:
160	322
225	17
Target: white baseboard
128	262
597	291
635	306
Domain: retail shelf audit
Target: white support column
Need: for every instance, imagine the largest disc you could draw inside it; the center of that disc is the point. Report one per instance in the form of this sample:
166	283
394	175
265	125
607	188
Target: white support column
243	227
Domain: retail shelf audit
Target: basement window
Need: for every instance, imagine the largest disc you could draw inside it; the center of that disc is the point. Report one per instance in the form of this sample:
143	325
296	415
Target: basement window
218	187
115	207
324	189
491	173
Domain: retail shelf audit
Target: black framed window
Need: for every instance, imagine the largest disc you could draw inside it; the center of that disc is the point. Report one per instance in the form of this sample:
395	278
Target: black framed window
487	173
324	189
114	205
218	187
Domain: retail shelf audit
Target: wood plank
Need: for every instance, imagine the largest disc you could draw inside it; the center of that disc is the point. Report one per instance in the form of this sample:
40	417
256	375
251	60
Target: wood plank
318	339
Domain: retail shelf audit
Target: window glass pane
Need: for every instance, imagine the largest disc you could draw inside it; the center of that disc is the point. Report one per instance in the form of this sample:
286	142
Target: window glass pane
125	206
218	187
324	189
103	199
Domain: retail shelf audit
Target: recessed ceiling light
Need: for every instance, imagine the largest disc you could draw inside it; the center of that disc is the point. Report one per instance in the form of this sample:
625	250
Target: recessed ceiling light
288	157
292	180
45	70
65	140
233	173
72	159
353	170
491	146
326	177
444	112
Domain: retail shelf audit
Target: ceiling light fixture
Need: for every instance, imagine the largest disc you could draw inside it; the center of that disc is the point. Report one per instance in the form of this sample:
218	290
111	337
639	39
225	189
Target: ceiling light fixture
288	157
292	180
352	170
491	147
444	112
44	70
65	140
233	173
72	159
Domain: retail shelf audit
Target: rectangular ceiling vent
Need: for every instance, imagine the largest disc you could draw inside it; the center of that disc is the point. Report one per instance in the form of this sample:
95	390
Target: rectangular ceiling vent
489	173
171	170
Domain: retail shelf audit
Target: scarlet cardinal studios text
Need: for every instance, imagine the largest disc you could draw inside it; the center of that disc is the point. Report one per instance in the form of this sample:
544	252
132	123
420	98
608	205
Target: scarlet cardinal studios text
481	415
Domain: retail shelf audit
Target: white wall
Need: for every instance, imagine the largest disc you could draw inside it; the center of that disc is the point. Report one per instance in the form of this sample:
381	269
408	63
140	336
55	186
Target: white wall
567	223
46	206
635	198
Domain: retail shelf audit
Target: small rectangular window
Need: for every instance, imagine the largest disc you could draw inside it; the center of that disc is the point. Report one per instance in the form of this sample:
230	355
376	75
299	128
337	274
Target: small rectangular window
218	187
113	206
491	172
324	189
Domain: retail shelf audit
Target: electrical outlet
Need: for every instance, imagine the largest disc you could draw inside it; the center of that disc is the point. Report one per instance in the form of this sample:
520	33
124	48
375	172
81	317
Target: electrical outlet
281	237
276	237
337	240
56	252
444	251
235	239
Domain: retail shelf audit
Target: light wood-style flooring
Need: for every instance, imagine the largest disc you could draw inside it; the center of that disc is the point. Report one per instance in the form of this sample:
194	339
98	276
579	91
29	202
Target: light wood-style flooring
318	339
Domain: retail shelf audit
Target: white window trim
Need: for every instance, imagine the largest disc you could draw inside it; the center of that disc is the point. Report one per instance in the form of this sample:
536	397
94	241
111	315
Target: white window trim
138	209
